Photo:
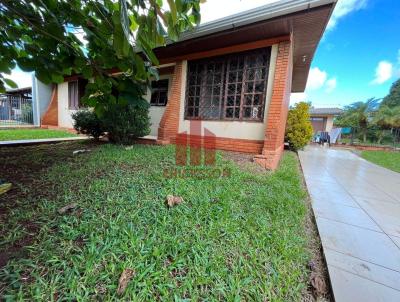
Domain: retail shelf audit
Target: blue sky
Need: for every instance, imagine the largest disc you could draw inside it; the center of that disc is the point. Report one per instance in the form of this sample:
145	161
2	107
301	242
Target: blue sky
358	57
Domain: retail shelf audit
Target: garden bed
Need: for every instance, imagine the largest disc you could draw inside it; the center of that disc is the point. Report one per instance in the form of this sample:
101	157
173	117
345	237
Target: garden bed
245	236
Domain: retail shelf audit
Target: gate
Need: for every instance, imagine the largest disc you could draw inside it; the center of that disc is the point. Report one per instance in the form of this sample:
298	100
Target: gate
15	110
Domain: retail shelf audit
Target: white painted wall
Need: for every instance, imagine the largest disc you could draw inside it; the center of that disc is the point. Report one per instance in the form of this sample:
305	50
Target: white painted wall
329	123
233	129
64	113
156	112
41	97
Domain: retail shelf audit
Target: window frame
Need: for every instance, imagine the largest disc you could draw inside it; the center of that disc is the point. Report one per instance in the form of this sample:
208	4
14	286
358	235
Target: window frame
225	60
79	91
158	90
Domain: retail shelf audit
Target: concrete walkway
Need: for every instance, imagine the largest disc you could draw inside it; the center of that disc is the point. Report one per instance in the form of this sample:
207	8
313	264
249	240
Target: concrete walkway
357	208
23	142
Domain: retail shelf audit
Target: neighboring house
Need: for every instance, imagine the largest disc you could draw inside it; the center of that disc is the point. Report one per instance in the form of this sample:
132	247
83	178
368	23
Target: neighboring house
16	107
322	118
25	106
235	75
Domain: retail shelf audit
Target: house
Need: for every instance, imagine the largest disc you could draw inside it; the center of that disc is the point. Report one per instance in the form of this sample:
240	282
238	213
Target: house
322	118
16	107
25	106
233	75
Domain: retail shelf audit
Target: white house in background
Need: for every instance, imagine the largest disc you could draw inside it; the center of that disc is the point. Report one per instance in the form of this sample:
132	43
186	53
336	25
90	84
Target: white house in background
322	118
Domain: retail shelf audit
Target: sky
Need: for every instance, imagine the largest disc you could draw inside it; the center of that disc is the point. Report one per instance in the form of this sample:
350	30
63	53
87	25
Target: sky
358	57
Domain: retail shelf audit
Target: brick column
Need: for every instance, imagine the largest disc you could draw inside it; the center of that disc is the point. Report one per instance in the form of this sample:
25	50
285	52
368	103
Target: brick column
278	109
50	118
169	124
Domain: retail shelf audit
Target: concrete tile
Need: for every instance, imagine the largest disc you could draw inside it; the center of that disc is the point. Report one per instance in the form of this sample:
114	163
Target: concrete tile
363	269
348	287
396	240
385	214
343	213
368	191
361	243
340	197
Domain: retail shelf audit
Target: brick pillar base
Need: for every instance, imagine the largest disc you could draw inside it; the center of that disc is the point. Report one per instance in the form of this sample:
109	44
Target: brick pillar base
278	109
169	124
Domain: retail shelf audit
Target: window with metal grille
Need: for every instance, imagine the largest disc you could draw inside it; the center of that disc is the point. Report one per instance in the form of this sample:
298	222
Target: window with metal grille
159	93
231	87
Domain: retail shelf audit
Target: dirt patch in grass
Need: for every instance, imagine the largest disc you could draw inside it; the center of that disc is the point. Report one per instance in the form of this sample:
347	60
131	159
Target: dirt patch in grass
244	161
23	166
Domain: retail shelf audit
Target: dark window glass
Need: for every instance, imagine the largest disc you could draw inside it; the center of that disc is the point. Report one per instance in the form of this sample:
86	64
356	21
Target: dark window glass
159	93
231	87
73	95
76	89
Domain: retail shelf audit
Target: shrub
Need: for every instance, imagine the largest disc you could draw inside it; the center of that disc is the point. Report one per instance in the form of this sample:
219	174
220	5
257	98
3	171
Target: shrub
124	123
87	122
298	128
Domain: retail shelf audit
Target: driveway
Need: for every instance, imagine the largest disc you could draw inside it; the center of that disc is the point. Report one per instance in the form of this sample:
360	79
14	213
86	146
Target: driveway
357	208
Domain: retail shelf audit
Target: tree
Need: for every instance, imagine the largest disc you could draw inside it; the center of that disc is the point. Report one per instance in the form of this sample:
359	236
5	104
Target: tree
358	115
298	128
393	98
58	38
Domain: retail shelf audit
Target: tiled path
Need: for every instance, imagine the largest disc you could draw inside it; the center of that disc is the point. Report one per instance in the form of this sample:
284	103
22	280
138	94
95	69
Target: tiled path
357	208
40	141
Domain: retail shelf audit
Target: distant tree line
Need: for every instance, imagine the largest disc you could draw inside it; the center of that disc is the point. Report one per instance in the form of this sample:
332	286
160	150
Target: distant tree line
374	119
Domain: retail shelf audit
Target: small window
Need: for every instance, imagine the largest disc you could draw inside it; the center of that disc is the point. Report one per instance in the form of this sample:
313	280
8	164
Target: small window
159	93
73	95
76	89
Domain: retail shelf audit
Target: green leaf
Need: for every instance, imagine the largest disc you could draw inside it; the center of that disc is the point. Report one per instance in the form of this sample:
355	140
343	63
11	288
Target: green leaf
173	11
134	25
11	83
124	18
57	78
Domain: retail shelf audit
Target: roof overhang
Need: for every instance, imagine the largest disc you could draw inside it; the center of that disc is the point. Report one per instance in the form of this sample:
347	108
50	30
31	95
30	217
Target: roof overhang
303	20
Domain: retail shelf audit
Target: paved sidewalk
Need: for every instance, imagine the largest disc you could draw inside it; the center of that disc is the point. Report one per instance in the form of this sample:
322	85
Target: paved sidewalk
357	208
40	141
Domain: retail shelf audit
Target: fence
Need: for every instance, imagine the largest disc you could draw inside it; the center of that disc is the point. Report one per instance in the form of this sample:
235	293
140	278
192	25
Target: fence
15	110
374	137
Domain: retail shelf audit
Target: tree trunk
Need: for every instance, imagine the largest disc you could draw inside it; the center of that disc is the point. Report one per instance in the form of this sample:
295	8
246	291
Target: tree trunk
364	135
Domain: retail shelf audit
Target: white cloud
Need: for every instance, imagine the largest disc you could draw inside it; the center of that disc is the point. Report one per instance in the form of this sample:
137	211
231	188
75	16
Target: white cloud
383	72
298	97
343	8
216	9
316	78
331	85
21	78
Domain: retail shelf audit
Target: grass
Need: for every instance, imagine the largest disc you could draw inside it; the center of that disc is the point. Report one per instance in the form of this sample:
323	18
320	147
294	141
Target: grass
18	134
387	159
237	238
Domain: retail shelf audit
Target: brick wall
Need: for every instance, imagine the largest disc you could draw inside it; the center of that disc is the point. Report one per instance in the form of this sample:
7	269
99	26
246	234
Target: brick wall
50	118
228	144
169	123
278	109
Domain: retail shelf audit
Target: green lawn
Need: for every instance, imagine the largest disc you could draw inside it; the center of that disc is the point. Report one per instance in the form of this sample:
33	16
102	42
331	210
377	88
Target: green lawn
237	238
17	134
387	159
